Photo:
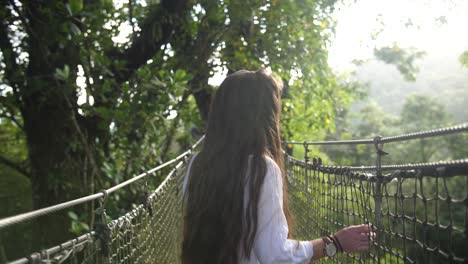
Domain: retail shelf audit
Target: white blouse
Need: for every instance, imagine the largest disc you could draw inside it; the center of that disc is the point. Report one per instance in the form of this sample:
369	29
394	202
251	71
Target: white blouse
271	243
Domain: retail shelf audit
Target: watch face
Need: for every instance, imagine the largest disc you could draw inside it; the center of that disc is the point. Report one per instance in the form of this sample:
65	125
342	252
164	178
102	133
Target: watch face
330	248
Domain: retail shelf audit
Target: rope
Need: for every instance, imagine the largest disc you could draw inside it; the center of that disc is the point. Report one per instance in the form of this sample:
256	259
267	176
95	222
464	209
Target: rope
417	209
12	220
136	237
451	163
62	247
416	135
418	218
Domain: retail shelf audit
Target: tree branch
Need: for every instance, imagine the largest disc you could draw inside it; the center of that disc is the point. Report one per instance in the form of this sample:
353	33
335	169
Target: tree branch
12	118
157	29
196	50
15	166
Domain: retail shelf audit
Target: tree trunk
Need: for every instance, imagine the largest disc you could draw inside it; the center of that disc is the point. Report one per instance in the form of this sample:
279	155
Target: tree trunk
55	153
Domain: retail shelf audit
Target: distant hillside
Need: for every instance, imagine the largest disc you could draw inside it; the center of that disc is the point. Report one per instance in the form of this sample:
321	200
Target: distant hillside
440	77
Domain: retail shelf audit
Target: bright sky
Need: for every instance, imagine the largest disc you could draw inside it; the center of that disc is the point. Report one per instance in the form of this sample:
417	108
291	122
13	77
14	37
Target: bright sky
438	27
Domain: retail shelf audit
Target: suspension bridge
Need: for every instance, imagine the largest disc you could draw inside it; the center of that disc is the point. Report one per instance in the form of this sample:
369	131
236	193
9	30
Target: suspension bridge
417	216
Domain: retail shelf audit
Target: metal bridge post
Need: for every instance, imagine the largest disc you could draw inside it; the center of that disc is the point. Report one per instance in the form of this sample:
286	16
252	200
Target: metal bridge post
378	188
307	195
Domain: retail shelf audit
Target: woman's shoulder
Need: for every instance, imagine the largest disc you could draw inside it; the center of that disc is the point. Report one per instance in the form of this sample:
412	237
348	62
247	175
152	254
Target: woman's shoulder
271	164
273	172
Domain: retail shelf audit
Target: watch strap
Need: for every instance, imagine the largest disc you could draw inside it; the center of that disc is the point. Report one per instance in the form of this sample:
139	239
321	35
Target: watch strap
337	242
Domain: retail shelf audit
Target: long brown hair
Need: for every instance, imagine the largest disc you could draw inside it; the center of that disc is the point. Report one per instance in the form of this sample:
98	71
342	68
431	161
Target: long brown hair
243	121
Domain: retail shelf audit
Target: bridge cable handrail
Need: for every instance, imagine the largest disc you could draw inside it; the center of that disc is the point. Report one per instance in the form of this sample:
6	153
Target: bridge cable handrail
91	235
408	166
16	219
450	168
405	137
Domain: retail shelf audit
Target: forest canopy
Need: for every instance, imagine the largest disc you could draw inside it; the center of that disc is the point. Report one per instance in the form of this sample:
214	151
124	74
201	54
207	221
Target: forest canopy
93	92
83	108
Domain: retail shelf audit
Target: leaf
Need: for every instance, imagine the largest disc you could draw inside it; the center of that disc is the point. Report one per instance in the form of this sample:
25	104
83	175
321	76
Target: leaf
324	24
180	75
76	30
107	3
76	6
403	59
464	59
72	215
67	6
156	82
84	226
62	74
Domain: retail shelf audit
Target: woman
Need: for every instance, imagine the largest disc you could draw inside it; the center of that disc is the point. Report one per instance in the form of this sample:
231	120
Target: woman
235	189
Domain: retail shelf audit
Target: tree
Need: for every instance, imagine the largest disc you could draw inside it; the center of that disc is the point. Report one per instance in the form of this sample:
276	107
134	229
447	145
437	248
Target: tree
369	122
464	59
135	100
421	113
42	44
403	59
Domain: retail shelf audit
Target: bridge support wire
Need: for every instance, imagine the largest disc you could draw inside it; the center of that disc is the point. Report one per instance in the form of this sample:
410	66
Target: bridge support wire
378	187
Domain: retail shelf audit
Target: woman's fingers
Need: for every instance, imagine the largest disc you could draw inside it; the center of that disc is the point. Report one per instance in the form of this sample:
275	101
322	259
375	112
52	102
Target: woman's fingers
362	229
356	238
367	237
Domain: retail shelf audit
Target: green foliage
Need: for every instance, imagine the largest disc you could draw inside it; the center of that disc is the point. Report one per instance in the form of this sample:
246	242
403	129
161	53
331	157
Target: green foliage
419	113
403	59
74	7
128	104
15	188
423	195
62	74
422	112
78	223
133	116
15	198
464	59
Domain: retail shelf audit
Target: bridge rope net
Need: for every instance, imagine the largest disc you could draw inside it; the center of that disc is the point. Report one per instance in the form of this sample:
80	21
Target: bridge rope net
420	212
420	220
150	233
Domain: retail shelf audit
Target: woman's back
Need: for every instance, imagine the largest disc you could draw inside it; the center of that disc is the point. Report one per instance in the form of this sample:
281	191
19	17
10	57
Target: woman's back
271	243
243	121
236	208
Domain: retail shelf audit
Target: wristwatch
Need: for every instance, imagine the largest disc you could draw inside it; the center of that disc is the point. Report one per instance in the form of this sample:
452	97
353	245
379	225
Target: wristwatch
330	248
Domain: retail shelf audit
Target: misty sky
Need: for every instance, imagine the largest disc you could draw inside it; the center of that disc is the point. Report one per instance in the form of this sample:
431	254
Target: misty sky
435	26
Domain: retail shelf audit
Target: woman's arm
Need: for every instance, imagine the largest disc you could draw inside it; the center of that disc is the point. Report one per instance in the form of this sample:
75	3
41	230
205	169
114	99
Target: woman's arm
318	246
272	244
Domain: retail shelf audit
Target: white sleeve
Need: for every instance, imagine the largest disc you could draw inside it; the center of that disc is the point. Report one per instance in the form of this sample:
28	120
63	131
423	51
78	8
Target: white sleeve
187	173
271	243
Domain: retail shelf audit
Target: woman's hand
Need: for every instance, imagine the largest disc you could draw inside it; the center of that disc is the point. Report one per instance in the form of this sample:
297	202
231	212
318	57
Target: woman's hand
355	238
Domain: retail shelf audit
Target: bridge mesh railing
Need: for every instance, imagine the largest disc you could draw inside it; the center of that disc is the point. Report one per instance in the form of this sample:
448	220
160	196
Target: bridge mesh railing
150	233
419	211
422	217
